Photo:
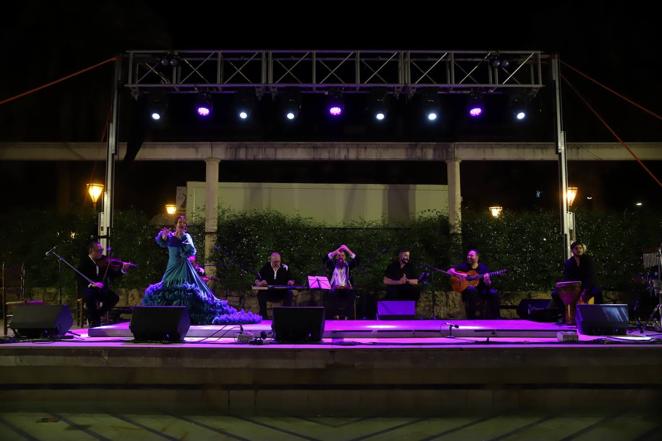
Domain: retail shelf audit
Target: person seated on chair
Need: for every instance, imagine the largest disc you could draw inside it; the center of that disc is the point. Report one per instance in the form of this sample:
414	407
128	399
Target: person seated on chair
579	267
478	296
95	266
274	273
401	279
339	302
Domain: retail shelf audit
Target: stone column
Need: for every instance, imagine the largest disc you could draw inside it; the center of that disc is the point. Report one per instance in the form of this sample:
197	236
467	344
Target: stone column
211	212
454	196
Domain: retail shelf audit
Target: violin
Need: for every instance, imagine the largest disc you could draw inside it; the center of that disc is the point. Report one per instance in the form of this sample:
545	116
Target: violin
114	263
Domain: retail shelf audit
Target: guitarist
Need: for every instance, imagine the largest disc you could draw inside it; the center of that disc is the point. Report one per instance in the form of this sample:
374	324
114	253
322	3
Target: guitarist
482	297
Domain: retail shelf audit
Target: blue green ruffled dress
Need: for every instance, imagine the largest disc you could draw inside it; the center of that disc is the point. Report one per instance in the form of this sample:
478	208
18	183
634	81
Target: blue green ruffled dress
181	286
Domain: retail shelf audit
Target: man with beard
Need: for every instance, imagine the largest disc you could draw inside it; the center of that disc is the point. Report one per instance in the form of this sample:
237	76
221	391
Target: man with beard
401	279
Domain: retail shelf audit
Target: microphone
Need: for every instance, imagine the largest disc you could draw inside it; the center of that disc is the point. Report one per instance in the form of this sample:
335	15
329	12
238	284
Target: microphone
48	253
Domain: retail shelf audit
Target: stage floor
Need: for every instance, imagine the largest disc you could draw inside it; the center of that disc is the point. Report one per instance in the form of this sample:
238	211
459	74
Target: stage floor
382	329
361	368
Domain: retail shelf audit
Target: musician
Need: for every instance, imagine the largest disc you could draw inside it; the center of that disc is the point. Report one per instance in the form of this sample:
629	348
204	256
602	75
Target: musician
339	302
274	272
400	278
100	269
482	297
580	267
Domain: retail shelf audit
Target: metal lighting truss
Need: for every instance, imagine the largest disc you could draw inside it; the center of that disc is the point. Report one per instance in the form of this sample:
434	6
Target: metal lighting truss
321	71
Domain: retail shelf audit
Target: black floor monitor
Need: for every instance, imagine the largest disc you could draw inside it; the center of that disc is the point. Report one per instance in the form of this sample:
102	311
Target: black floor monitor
294	324
41	321
160	323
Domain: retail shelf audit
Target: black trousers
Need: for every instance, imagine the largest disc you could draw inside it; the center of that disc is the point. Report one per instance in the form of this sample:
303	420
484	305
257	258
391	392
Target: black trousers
91	297
481	300
403	292
273	295
339	303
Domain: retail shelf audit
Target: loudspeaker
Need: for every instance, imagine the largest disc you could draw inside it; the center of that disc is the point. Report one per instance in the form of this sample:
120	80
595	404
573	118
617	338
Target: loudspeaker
160	323
296	324
396	309
602	319
41	321
536	310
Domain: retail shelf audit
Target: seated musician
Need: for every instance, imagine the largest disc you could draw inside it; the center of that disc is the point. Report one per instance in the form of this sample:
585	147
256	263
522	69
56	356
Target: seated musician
98	268
480	296
339	302
580	267
401	279
274	273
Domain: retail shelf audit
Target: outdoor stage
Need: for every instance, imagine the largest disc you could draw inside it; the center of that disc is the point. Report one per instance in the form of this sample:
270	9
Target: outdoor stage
361	368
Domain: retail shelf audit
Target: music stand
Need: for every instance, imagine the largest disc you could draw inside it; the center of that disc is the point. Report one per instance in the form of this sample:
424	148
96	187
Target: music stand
319	282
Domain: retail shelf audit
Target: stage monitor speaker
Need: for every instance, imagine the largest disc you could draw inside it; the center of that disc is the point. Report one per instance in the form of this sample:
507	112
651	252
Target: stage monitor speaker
41	321
160	323
296	324
536	310
602	319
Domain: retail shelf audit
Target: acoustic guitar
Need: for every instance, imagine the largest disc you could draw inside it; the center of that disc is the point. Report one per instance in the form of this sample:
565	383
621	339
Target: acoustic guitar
472	278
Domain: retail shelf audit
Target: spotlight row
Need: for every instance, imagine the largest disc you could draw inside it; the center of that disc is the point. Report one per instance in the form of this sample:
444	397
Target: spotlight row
335	108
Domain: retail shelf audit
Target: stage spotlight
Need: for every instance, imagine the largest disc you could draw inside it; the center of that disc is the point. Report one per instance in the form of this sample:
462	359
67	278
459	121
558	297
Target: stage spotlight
157	107
203	106
379	104
431	106
518	107
245	104
290	105
475	106
335	106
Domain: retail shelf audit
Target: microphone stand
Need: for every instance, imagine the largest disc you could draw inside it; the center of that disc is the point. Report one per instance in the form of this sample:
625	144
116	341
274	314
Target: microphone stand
63	260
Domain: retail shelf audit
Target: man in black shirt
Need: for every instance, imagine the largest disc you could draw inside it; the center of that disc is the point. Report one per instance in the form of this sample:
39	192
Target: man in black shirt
401	279
274	273
481	297
95	266
580	267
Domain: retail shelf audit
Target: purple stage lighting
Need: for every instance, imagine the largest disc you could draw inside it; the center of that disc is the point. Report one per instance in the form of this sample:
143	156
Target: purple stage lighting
203	111
335	110
476	111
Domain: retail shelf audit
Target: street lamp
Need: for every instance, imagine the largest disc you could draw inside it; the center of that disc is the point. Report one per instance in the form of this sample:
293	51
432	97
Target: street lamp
495	211
572	230
171	209
95	191
572	194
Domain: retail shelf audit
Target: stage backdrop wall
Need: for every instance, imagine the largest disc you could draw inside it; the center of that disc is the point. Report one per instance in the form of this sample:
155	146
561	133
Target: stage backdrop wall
331	204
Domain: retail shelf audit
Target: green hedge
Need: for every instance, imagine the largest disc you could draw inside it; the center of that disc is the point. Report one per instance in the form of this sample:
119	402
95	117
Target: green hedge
527	243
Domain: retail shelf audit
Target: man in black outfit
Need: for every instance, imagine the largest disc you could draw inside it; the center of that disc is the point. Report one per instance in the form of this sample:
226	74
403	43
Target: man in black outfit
401	279
274	273
95	266
579	267
481	298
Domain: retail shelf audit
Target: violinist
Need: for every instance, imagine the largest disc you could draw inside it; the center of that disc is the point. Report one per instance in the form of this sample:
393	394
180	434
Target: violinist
100	269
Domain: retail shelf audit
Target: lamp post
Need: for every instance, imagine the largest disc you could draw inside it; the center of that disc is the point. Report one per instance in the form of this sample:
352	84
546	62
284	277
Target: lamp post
171	209
496	211
95	191
570	196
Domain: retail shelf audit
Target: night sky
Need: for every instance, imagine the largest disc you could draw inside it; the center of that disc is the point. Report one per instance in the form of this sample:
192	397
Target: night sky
617	44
